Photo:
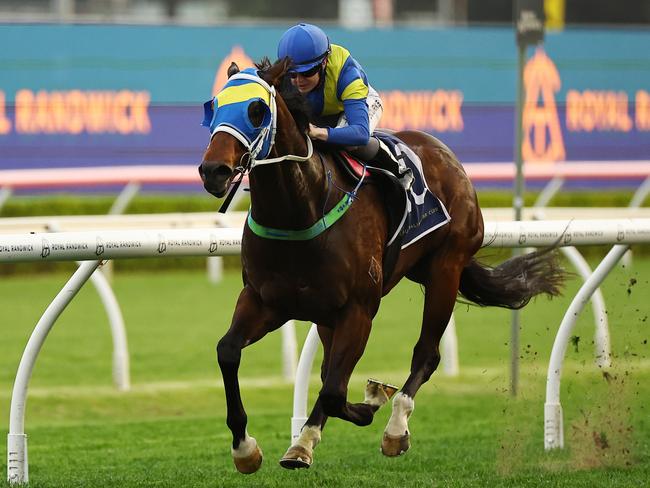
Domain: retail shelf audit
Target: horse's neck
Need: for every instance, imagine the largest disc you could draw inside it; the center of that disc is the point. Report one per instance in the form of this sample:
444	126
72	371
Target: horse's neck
288	194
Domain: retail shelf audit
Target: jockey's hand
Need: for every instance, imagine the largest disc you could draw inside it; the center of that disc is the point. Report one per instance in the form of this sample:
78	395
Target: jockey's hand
318	133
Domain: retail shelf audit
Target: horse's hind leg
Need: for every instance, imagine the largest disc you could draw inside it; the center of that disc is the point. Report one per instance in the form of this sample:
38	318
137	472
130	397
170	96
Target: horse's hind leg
440	296
251	322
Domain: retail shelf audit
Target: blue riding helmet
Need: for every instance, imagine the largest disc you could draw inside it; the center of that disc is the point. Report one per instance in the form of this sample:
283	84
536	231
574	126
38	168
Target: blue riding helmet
306	45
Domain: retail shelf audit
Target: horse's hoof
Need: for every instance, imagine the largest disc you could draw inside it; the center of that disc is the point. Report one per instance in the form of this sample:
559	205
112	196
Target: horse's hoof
392	446
250	463
296	457
378	393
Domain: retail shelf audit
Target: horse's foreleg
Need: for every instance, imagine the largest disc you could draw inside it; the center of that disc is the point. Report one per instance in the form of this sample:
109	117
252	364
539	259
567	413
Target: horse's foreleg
251	321
440	296
301	452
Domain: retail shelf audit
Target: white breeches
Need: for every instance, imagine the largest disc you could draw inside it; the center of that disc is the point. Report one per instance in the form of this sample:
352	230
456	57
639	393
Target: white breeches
375	111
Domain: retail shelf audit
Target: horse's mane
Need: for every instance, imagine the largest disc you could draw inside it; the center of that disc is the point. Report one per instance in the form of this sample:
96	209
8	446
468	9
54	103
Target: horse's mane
296	103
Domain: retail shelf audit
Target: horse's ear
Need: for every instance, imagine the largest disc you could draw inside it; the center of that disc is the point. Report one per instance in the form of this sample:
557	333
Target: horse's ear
233	69
275	73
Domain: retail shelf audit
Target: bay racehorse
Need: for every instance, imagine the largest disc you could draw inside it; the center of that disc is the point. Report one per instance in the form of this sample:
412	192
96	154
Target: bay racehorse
306	267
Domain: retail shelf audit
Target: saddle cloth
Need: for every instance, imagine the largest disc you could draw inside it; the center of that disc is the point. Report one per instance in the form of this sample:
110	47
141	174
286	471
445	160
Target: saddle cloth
423	212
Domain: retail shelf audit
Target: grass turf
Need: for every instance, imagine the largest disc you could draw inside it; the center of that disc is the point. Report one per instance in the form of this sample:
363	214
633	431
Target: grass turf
467	431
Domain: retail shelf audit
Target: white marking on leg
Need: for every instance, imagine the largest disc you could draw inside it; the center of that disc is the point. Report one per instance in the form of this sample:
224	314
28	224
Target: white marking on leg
403	406
303	449
309	437
245	448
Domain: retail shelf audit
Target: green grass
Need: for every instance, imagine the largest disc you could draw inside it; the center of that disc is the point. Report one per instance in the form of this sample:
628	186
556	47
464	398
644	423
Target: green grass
468	431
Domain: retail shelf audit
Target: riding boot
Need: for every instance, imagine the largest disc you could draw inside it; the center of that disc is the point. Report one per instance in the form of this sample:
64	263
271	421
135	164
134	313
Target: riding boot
384	159
376	153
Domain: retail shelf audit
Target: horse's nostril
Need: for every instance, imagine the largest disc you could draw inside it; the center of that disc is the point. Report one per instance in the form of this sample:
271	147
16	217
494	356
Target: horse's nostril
214	172
222	171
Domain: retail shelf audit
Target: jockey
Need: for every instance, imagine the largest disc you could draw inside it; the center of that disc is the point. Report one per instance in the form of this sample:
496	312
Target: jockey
345	108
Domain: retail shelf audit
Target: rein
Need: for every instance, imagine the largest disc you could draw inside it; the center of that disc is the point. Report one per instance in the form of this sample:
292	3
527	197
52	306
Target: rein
286	157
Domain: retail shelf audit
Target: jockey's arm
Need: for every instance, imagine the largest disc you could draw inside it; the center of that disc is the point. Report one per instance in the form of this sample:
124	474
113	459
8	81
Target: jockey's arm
357	132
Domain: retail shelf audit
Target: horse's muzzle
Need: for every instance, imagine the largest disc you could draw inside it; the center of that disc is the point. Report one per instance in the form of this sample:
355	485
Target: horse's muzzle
216	177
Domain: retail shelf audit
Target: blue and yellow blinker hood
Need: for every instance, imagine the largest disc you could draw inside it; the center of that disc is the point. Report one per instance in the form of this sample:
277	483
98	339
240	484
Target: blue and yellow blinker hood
228	112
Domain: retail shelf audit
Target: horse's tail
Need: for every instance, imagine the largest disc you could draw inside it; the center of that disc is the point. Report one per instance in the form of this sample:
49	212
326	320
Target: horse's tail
514	282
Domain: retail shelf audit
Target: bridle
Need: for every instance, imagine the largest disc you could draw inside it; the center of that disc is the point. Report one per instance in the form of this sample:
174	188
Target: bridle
259	147
265	140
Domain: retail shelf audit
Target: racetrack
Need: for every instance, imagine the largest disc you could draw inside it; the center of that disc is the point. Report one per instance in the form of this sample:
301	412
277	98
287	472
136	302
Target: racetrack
467	431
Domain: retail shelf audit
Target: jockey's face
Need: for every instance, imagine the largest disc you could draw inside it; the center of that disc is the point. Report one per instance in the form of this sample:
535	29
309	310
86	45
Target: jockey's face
306	82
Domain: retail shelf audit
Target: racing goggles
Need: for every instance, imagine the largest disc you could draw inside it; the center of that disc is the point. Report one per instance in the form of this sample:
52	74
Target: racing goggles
306	74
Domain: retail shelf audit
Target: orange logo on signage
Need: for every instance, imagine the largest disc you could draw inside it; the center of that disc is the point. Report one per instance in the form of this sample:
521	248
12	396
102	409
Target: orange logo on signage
237	55
541	125
76	111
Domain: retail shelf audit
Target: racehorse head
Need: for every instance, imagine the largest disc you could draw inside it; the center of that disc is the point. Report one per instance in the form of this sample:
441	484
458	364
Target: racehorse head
243	120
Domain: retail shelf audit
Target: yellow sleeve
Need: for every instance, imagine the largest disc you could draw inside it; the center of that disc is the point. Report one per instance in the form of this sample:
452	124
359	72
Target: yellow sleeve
355	90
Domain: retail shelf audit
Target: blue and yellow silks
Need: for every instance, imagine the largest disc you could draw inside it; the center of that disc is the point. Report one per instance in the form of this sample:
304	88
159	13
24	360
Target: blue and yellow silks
344	80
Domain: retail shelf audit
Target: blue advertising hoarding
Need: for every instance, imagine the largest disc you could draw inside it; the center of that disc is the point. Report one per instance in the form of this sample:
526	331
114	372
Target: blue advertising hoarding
88	95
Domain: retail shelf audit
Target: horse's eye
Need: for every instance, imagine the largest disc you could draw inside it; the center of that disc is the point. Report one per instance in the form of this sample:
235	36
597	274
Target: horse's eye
256	113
